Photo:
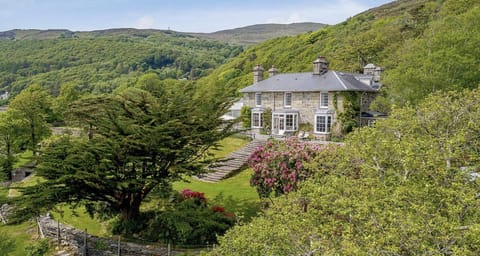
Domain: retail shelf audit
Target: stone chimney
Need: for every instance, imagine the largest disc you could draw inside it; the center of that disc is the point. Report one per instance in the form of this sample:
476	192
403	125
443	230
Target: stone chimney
369	69
377	74
320	66
272	71
257	74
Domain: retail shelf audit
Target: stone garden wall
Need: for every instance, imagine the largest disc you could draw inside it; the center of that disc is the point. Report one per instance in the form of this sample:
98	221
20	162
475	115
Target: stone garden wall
96	246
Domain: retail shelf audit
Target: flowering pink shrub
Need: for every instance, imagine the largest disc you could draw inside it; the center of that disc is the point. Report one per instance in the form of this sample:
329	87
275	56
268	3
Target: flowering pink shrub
187	194
278	166
196	197
218	209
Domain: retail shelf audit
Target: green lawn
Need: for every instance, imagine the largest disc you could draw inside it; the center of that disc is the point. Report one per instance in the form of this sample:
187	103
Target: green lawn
29	181
234	193
3	194
80	219
228	145
22	234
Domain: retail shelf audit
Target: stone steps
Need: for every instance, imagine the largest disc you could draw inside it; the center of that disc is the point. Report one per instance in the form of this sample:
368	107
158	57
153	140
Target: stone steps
233	162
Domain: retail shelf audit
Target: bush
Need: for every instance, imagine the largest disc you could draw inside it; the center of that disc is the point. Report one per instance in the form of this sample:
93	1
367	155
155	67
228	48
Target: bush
189	222
128	228
38	249
246	116
278	166
7	245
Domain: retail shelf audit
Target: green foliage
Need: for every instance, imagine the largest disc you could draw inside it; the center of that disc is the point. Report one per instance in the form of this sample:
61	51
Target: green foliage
12	136
424	46
308	127
235	193
68	94
191	221
351	110
138	140
40	248
7	245
445	58
99	63
403	187
246	116
267	121
32	107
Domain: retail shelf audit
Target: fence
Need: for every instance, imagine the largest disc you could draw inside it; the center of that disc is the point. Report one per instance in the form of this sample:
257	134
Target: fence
85	244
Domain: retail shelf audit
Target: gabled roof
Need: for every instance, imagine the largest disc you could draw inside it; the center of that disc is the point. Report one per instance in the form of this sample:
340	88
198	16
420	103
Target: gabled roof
308	82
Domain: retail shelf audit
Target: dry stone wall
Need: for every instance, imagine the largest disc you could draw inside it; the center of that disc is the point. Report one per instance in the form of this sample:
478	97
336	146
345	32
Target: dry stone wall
96	246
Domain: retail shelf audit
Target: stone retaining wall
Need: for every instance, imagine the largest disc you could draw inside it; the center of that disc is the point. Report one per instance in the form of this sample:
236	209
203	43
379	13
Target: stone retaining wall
96	246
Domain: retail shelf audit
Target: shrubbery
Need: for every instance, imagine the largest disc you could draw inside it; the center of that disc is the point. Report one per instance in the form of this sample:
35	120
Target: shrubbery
278	166
189	220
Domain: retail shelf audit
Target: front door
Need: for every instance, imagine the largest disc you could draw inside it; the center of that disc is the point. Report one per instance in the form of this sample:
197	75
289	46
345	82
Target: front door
278	124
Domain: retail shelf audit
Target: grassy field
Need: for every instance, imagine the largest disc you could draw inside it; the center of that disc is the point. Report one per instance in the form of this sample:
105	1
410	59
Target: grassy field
235	193
80	219
23	235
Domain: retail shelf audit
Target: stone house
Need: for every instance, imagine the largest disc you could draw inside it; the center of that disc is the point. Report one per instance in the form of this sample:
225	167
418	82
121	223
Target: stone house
315	99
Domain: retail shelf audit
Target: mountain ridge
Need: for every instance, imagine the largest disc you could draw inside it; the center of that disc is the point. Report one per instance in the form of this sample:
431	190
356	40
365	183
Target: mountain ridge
246	36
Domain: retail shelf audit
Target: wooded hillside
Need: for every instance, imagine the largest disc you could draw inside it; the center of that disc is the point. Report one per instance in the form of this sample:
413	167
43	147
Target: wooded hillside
102	61
424	46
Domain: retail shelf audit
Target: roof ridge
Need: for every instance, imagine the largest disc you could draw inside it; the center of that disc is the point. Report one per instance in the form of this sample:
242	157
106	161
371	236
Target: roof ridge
341	81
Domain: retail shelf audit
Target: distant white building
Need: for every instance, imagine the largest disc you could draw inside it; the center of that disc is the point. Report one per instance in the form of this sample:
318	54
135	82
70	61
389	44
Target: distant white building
234	112
4	96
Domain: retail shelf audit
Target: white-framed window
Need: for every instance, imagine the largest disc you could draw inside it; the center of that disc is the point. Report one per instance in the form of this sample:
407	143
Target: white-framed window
258	99
323	123
324	99
287	99
291	122
256	119
284	122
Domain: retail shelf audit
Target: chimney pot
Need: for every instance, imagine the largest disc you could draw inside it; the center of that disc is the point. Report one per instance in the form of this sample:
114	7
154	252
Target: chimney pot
320	66
257	73
272	71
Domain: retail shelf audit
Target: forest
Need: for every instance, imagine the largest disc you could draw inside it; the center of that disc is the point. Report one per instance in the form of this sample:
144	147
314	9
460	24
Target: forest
424	46
408	185
101	63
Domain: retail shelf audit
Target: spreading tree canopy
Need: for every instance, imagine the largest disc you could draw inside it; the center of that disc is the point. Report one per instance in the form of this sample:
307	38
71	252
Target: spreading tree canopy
32	106
141	139
408	186
12	134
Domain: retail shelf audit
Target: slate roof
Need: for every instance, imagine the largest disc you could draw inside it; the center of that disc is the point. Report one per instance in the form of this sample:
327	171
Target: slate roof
308	82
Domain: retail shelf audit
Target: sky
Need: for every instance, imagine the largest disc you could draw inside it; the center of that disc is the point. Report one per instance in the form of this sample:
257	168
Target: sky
178	15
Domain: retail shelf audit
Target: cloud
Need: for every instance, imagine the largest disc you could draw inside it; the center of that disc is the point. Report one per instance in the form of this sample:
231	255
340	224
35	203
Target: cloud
146	21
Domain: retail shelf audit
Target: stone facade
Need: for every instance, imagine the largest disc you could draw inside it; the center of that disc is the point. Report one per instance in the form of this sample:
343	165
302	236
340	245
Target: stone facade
304	92
307	104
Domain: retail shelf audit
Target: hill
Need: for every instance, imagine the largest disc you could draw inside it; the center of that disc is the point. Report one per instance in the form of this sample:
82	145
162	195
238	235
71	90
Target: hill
254	34
424	45
100	61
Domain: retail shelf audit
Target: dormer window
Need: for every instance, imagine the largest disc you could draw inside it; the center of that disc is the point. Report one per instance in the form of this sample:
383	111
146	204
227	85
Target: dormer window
287	99
324	100
258	99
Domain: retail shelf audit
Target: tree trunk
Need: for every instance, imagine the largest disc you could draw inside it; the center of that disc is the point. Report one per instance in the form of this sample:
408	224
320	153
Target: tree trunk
34	144
130	207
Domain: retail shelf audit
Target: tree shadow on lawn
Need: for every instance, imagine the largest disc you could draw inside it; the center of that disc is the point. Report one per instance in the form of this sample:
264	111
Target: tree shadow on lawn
244	210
